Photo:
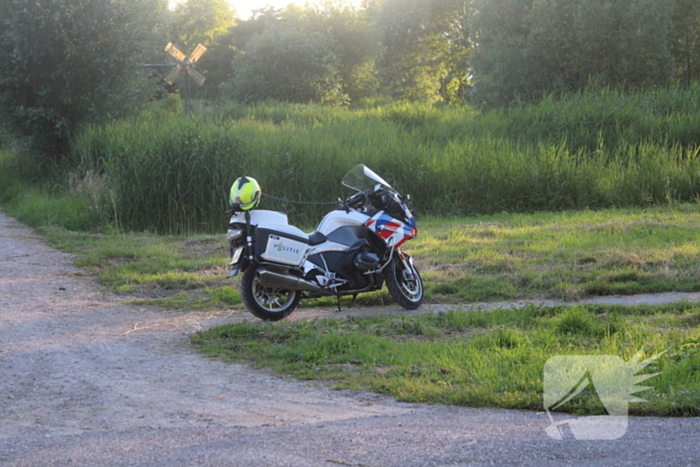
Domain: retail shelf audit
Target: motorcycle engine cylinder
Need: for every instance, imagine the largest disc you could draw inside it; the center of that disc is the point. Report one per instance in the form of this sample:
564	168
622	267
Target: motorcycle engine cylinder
365	261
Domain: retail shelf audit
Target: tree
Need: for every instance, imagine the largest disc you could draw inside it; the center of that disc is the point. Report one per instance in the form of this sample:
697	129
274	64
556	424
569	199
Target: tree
354	41
646	43
501	66
260	21
216	63
622	42
287	64
70	63
685	40
454	16
550	47
527	48
425	46
200	22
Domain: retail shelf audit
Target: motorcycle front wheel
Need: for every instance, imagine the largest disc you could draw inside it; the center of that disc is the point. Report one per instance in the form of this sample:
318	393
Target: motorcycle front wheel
404	283
266	303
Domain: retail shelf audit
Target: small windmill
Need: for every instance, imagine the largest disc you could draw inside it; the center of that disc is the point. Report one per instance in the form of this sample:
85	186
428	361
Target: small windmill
188	65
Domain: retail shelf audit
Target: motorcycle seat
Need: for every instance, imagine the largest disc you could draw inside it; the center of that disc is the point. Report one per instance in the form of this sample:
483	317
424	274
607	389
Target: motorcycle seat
316	238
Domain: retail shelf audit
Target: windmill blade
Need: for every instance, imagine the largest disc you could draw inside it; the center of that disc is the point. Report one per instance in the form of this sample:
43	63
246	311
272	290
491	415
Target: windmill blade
175	52
197	52
199	79
172	76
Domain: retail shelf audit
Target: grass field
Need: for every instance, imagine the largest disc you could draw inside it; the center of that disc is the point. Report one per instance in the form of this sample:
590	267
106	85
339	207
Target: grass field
564	256
488	358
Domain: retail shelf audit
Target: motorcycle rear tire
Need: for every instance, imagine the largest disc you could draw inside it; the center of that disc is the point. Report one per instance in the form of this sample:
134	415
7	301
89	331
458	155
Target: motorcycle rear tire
406	290
264	302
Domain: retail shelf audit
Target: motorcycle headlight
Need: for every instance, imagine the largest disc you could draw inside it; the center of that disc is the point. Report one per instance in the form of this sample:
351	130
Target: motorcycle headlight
233	234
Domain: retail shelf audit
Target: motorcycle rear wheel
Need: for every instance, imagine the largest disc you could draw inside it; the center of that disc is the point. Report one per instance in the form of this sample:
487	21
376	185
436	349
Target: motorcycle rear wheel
266	303
405	284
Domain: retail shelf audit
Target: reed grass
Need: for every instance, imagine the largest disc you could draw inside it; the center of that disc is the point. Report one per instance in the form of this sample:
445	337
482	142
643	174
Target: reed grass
594	150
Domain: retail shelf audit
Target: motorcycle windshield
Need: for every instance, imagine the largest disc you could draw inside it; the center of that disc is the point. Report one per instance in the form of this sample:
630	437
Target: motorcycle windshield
361	178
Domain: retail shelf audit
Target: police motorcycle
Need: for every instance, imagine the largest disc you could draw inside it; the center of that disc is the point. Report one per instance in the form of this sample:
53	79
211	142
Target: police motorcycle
355	249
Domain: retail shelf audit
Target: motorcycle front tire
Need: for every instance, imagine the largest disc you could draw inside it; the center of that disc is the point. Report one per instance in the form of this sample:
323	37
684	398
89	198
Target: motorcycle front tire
405	285
266	303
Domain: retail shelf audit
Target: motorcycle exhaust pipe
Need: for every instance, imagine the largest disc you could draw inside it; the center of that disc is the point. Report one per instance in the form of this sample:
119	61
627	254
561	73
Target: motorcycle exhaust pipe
286	282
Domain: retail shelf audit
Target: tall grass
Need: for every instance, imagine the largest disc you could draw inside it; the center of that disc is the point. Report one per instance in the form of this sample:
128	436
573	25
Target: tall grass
603	117
596	149
38	198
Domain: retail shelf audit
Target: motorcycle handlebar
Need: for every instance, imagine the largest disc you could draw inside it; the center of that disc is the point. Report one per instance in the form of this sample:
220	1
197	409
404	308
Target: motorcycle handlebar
359	199
355	200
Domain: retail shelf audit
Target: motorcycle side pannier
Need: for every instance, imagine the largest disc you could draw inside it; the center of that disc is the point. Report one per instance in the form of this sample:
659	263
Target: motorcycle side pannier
281	247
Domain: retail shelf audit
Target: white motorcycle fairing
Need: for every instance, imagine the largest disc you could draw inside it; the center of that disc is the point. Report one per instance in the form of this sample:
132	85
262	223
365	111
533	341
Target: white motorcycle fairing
290	245
336	219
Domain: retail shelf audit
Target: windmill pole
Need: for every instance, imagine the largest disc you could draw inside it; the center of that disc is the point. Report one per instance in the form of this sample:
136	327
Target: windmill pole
187	95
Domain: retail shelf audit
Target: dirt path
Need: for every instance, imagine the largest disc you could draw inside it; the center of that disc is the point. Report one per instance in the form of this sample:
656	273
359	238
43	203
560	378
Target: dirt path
88	381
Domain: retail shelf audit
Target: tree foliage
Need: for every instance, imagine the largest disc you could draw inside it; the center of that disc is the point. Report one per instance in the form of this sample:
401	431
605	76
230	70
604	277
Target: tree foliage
353	38
216	63
685	40
70	63
259	22
287	64
530	47
200	22
323	53
419	48
425	46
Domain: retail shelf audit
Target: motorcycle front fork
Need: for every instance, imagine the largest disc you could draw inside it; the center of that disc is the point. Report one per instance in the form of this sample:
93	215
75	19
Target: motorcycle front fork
406	263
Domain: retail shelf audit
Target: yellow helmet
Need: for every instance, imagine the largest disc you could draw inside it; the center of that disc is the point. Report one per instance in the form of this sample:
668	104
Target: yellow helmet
245	193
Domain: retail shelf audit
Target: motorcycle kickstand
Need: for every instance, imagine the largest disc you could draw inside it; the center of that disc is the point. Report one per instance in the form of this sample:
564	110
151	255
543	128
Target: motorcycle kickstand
338	310
352	302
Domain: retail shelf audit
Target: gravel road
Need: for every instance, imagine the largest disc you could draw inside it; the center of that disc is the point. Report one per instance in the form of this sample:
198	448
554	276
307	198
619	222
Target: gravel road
88	381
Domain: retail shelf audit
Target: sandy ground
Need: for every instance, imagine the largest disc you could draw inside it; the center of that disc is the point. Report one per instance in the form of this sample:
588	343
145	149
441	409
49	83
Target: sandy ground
88	381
